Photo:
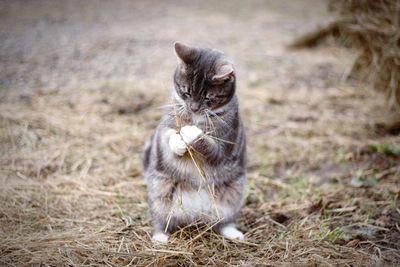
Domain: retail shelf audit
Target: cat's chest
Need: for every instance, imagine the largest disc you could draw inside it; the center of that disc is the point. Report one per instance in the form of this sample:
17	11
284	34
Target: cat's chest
192	168
194	201
201	121
198	204
198	120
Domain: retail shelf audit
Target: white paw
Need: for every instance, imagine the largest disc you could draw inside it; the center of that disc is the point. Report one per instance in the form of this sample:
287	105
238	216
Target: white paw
190	133
160	237
177	145
230	231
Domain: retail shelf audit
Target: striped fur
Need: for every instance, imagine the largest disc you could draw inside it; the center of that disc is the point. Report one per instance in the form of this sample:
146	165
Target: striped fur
177	194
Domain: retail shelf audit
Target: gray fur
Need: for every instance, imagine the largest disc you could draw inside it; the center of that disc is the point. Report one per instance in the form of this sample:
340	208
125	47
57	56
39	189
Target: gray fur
221	152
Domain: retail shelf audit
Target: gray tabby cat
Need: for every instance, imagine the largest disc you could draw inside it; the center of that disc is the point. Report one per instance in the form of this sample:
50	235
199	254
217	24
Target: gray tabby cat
195	163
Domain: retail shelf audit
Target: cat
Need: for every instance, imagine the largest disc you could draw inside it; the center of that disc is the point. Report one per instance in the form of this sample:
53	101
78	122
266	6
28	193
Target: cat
195	162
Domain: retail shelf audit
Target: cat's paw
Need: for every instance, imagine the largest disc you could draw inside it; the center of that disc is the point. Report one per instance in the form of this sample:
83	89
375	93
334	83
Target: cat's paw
160	237
190	133
177	145
230	231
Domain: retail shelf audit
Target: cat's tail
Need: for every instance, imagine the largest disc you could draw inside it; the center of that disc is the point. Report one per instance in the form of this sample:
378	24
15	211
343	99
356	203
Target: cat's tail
147	152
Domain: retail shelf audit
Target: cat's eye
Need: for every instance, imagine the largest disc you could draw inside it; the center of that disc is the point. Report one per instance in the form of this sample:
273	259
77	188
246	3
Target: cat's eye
186	94
220	82
208	101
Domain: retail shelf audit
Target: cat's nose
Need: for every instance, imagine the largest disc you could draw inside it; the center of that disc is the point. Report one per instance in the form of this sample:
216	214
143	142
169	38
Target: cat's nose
194	106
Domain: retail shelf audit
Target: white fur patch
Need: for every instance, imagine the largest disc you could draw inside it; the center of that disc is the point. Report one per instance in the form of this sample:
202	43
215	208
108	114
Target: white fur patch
230	231
176	144
192	204
199	204
190	133
160	237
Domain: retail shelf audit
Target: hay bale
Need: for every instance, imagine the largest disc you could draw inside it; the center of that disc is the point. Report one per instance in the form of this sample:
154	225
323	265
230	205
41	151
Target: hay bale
373	28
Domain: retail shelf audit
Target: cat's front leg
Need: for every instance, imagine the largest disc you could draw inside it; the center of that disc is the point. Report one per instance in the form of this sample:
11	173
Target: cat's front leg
202	143
175	142
190	133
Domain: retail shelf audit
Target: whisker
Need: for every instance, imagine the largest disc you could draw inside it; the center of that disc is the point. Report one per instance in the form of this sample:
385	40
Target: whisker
219	118
167	106
210	120
220	139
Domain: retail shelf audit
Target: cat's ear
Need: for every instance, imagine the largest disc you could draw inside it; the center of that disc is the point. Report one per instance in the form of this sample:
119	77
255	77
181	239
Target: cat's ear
225	72
185	53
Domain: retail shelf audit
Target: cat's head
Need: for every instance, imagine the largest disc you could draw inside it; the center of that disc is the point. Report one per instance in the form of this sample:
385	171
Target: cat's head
204	78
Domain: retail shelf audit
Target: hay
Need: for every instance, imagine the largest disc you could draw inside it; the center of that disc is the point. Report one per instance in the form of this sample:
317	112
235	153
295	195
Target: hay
323	187
72	192
373	29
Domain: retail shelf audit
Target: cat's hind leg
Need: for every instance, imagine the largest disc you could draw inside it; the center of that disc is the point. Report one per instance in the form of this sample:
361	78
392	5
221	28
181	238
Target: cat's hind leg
231	232
160	237
161	234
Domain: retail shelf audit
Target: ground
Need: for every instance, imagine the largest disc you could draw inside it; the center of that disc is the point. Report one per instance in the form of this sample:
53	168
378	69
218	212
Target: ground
82	86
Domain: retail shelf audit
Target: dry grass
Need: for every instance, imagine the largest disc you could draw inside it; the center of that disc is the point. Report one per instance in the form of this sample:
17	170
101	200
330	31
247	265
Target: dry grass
323	184
372	28
322	189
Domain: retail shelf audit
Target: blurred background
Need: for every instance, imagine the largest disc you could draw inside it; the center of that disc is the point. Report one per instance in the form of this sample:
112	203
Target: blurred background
63	44
82	85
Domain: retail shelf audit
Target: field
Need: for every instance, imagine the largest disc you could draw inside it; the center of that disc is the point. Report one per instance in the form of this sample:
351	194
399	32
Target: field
82	88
